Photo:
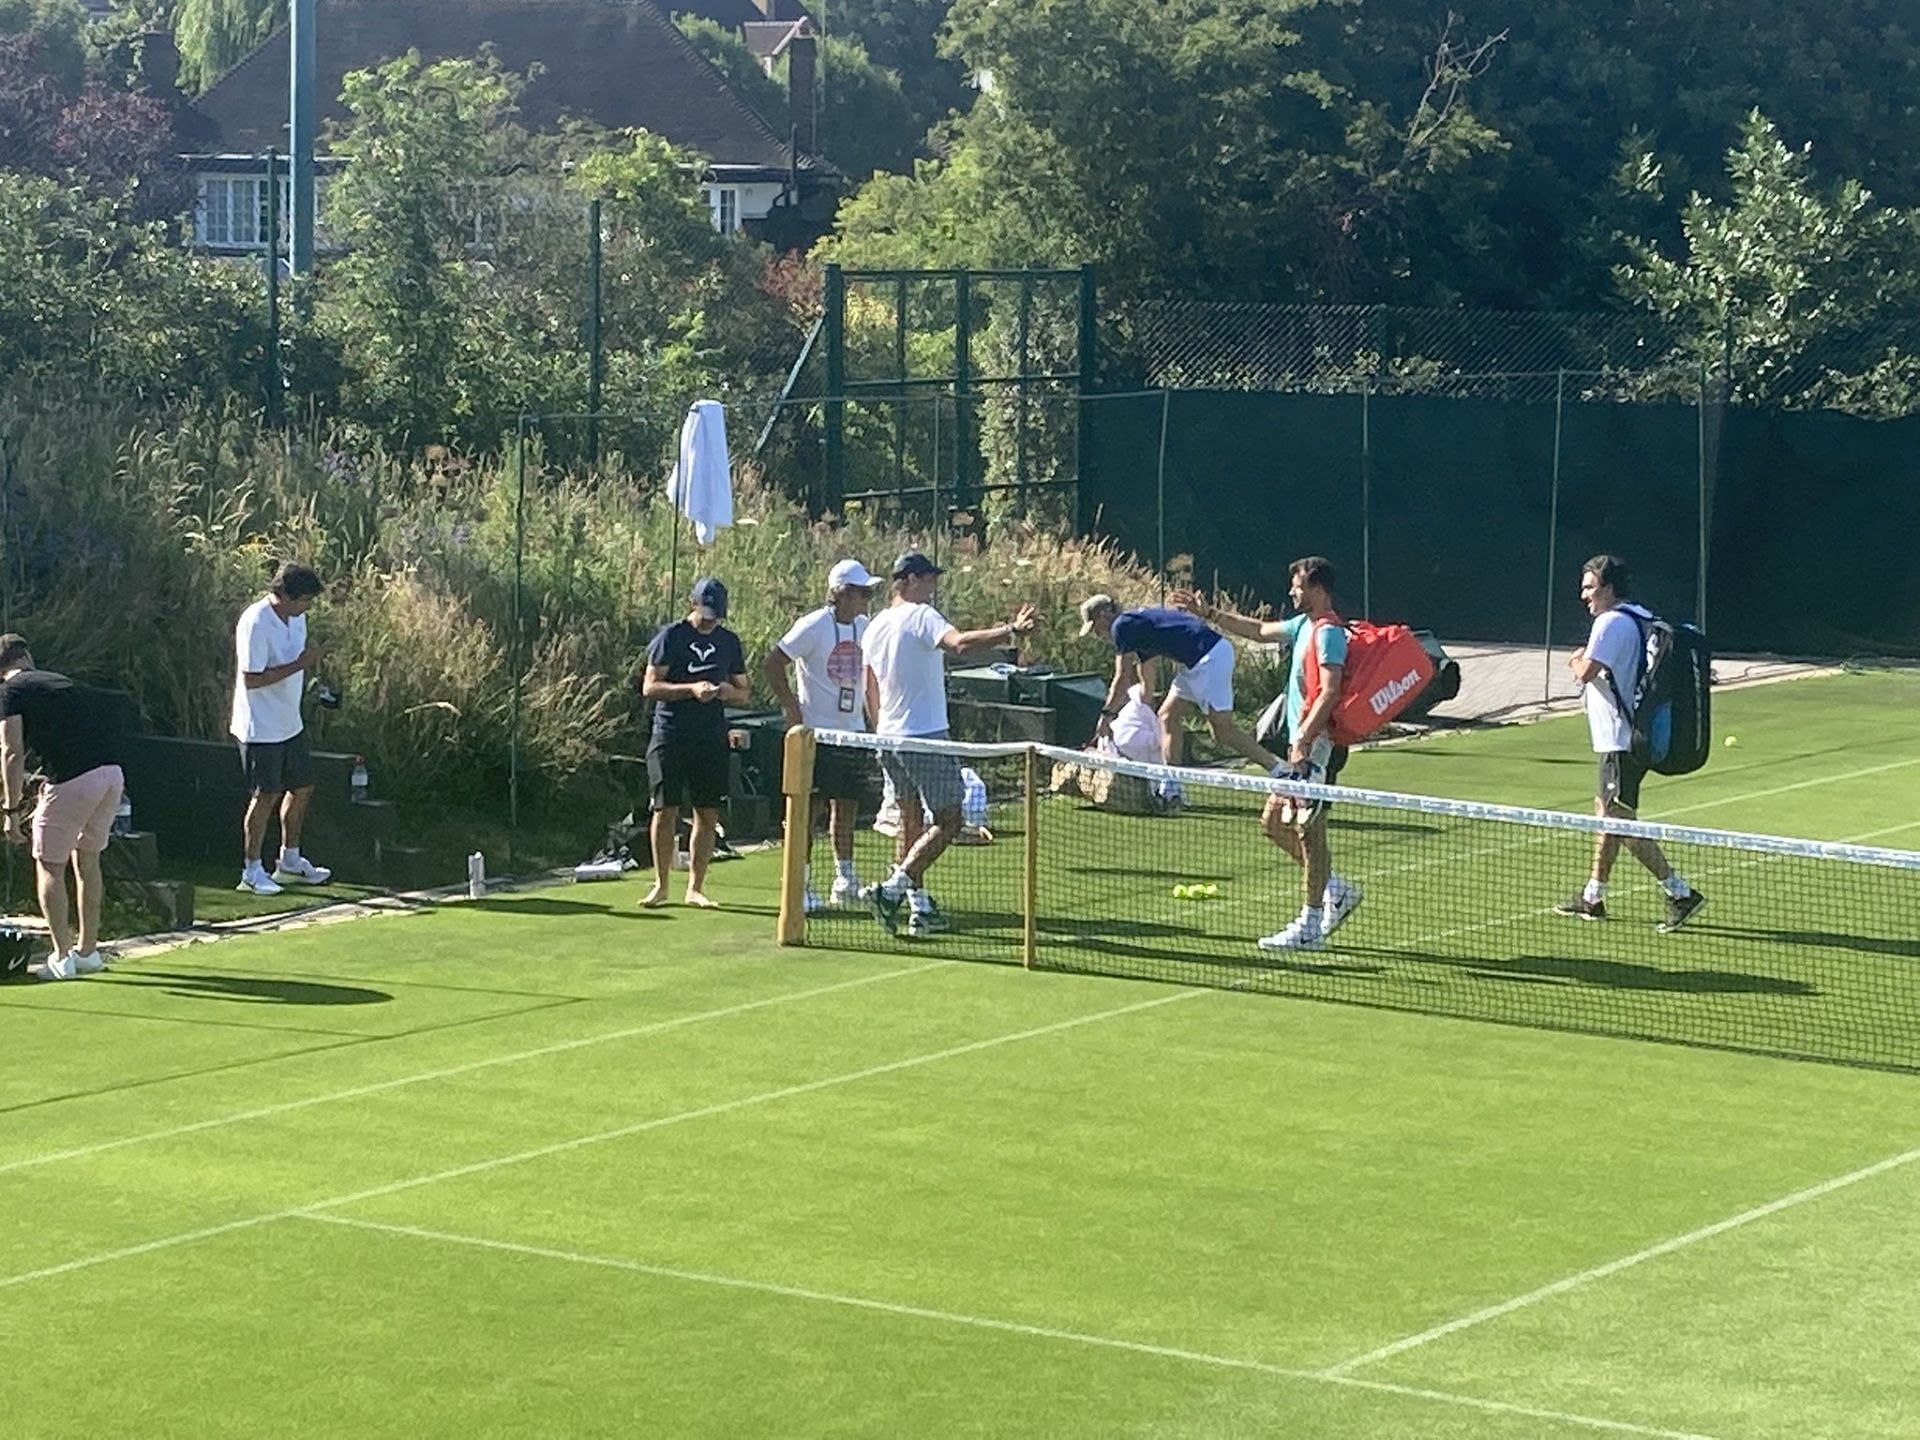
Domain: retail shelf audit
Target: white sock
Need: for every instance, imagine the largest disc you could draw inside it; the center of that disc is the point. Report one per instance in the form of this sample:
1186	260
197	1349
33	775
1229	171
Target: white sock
846	870
289	854
920	900
898	883
1337	888
1676	887
253	867
1595	892
1309	917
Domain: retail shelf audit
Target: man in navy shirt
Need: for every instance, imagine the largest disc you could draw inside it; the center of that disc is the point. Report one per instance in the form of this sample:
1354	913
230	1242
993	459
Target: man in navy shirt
695	669
1202	660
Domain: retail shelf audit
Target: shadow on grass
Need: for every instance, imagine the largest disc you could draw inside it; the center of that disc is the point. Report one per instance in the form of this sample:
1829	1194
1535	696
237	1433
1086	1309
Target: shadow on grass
252	989
544	907
1604	974
1904	948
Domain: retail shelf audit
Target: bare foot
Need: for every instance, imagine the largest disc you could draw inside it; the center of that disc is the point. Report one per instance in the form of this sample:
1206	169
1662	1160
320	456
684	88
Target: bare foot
700	902
654	898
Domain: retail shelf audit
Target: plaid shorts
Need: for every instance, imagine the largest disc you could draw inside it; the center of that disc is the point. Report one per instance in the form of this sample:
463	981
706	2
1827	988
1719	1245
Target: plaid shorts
934	778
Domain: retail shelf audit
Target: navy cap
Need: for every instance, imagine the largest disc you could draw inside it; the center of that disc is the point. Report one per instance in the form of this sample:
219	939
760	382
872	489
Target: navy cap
912	563
710	595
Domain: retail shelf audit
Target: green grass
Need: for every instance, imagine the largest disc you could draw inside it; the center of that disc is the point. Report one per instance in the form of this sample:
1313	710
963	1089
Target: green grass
547	1165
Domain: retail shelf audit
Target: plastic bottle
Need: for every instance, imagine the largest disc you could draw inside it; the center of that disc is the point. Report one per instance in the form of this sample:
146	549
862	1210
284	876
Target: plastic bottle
358	780
476	876
123	816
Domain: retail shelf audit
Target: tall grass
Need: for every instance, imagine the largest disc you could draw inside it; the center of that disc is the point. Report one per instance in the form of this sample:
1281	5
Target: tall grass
128	547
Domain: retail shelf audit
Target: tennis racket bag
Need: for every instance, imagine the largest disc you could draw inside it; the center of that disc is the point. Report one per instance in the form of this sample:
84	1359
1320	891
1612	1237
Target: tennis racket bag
1387	668
1672	711
16	948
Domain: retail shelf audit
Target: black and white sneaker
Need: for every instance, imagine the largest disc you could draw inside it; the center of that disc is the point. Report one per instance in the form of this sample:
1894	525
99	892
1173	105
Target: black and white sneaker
1680	910
1582	908
886	908
926	921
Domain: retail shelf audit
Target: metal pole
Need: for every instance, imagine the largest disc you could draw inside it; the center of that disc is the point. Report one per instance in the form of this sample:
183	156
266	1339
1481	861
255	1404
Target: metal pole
1366	498
1089	345
519	566
1553	530
595	360
836	318
962	387
275	382
302	105
900	383
1025	327
1160	496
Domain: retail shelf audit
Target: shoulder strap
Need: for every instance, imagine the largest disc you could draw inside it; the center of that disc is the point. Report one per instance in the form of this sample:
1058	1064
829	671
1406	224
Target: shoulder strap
1640	658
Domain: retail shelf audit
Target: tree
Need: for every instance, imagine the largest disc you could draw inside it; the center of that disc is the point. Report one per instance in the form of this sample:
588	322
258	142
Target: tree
903	36
422	145
215	35
58	29
1181	144
1800	296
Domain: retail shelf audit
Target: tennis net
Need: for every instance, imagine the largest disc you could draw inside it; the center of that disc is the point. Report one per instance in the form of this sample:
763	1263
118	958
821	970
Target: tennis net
1082	862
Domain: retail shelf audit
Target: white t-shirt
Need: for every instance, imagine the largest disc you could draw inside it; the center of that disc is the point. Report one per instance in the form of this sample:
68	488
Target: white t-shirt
903	652
261	641
828	662
1613	642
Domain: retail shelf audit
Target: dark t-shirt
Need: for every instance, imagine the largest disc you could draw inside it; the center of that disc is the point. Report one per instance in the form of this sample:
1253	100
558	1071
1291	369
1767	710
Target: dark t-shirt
689	657
1152	633
67	735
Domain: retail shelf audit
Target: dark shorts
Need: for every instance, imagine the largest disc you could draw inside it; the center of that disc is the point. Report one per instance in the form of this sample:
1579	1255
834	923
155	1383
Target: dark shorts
1620	777
274	766
840	773
689	772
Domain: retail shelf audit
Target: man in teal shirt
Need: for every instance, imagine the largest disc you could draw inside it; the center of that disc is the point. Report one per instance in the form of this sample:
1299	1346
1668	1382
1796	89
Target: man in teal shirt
1315	639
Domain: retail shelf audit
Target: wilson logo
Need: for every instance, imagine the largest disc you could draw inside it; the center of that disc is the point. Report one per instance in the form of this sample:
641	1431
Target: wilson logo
1392	691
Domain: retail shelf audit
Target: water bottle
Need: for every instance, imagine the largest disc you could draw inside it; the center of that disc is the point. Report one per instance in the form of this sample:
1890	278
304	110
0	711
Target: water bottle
358	781
476	876
123	816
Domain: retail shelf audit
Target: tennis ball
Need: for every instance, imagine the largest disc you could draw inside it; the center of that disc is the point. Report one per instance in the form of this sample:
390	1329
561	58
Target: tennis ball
1180	892
1731	741
1212	892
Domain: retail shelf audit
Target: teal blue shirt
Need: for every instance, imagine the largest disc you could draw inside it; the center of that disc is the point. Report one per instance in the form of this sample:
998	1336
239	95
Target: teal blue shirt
1332	643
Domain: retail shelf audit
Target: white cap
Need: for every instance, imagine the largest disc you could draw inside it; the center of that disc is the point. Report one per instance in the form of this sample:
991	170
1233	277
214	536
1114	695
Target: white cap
849	572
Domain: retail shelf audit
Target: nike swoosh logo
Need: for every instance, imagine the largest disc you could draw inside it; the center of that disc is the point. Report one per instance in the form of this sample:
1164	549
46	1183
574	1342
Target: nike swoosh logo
700	669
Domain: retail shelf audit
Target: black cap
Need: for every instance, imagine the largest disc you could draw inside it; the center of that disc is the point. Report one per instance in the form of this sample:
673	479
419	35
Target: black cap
912	563
710	594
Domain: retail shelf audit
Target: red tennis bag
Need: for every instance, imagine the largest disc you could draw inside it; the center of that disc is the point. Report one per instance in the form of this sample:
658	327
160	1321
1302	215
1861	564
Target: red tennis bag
1386	670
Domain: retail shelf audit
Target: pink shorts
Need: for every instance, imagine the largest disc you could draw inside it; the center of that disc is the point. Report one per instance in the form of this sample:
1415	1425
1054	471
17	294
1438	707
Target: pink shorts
77	814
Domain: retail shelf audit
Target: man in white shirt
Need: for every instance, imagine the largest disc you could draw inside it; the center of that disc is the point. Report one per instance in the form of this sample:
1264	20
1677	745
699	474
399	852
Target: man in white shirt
1608	670
906	649
272	658
824	649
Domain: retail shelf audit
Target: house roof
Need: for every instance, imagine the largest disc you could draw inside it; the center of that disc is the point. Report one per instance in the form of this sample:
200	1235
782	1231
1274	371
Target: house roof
618	63
738	14
767	38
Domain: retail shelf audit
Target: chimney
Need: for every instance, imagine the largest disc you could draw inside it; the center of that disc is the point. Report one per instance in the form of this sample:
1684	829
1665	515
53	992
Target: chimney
160	66
801	109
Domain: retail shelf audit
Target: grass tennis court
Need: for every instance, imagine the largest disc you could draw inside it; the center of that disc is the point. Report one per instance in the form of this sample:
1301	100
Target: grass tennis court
548	1165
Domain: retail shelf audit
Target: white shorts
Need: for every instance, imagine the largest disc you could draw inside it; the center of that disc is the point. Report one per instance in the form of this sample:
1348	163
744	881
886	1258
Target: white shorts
1208	685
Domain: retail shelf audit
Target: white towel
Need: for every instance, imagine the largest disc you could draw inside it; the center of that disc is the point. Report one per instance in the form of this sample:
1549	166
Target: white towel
702	484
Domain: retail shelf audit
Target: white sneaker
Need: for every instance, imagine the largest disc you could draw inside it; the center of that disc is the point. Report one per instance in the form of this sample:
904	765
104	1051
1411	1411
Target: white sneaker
845	894
1338	905
1303	934
91	963
59	967
257	882
301	872
815	905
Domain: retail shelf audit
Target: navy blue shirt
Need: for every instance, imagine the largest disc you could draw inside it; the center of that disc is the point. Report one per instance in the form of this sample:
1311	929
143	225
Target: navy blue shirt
1150	634
689	657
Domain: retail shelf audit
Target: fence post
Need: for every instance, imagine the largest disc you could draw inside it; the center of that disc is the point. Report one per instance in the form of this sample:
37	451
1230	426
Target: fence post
900	383
1024	326
275	383
519	565
1553	532
796	779
595	360
962	386
1030	897
836	318
1160	495
1088	344
1366	496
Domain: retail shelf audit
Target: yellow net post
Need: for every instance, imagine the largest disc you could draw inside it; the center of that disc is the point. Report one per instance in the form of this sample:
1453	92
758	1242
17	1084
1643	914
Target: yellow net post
796	780
1030	901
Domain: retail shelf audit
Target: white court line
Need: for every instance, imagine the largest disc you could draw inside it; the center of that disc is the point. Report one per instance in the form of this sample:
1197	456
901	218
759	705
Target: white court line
1614	1267
1005	1327
1664	815
423	1077
660	1122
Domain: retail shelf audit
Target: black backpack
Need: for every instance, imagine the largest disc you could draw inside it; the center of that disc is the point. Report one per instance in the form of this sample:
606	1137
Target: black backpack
16	948
1672	712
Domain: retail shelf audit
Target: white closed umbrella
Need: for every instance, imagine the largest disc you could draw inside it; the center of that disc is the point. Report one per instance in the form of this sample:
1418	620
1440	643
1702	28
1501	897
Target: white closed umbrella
702	484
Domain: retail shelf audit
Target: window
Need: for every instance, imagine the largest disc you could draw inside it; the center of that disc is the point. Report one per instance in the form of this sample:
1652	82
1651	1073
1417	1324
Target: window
233	210
725	200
